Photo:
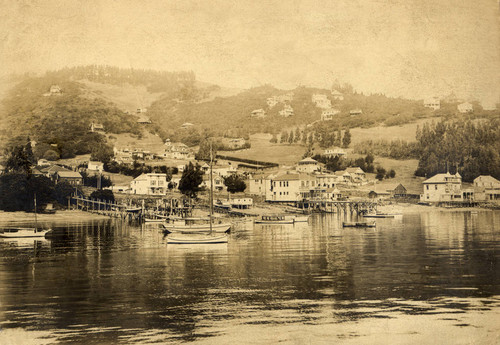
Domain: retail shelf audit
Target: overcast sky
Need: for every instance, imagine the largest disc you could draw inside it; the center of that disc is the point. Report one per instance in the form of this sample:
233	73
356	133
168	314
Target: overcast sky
410	48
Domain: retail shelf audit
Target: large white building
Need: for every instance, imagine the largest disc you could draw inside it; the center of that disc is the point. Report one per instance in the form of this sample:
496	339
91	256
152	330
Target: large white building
465	108
329	114
433	103
290	187
442	187
321	101
149	184
308	165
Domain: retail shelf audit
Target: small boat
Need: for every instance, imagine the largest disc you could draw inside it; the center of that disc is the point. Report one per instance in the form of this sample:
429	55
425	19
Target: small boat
358	224
275	220
196	228
152	220
194	239
297	219
23	233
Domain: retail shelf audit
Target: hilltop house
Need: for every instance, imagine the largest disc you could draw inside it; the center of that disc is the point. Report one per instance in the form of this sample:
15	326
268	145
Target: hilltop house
321	101
258	113
486	188
55	90
433	103
465	108
329	114
338	96
356	112
286	111
271	101
186	125
143	120
149	184
308	165
442	187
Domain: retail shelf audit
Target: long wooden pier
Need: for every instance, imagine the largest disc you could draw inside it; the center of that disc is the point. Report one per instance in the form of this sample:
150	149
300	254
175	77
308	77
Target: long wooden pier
332	206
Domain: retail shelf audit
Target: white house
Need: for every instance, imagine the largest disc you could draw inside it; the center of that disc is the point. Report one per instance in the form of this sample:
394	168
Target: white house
486	188
329	114
334	152
357	174
258	184
149	184
186	125
143	120
286	111
328	180
55	90
465	108
356	112
338	96
258	113
96	127
442	187
290	187
308	165
433	103
271	101
95	166
321	101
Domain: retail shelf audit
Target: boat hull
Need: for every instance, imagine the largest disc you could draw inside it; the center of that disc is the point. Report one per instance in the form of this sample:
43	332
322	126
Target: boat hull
220	228
23	233
274	221
358	225
197	240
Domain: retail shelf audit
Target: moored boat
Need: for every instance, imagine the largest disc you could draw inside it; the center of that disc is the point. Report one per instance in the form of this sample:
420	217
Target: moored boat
196	228
197	239
22	233
274	220
358	224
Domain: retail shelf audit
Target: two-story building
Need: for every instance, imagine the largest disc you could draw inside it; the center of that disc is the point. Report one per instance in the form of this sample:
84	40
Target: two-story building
336	95
308	165
95	166
329	114
71	177
486	188
149	184
290	187
321	101
442	187
465	108
433	103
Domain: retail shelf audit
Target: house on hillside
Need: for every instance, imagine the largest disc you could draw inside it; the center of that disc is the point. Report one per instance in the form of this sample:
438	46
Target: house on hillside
433	103
329	114
187	125
356	112
334	152
96	127
442	187
71	177
336	95
487	188
217	182
286	111
271	101
357	174
308	165
258	113
149	184
55	90
321	101
95	166
143	120
236	143
465	108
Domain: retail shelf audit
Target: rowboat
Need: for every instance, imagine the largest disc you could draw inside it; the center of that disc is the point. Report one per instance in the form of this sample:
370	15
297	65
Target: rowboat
194	239
382	215
358	224
196	228
297	219
23	233
274	220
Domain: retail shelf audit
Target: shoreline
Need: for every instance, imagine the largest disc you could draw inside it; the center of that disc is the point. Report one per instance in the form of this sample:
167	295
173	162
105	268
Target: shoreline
59	216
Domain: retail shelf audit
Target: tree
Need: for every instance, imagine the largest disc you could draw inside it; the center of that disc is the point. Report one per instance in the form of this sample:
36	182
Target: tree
297	135
103	194
235	184
274	139
380	173
346	141
192	177
20	158
291	137
102	153
284	137
51	155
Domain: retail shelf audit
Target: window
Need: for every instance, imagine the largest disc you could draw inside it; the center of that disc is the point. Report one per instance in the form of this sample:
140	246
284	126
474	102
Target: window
436	187
153	183
427	187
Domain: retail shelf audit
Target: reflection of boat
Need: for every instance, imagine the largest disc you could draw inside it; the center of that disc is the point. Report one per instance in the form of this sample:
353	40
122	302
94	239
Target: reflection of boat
358	224
22	233
378	215
196	239
195	229
300	219
134	209
274	220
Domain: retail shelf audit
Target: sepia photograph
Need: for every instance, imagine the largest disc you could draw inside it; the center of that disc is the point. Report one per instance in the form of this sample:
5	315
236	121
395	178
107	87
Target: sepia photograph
260	172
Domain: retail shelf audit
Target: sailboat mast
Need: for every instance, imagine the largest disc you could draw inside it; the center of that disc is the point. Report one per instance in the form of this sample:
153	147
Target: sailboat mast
36	225
211	188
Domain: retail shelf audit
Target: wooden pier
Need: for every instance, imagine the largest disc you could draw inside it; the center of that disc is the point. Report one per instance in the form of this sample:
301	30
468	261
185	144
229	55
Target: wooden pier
331	206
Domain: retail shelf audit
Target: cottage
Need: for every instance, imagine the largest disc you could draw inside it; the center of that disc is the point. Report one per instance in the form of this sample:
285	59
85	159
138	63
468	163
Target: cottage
334	152
143	120
95	166
358	175
321	101
271	101
217	183
336	95
149	184
286	111
258	113
71	177
329	114
55	90
96	127
186	125
399	192
308	165
343	177
442	187
356	112
433	103
465	108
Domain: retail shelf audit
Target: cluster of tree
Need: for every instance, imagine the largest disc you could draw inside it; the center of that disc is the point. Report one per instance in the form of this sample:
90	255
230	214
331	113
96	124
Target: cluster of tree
61	124
19	156
190	181
382	173
156	81
95	180
471	147
235	183
137	169
339	163
103	194
396	149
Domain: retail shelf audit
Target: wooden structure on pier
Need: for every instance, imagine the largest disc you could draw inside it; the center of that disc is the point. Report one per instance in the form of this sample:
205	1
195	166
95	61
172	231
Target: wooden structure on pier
331	206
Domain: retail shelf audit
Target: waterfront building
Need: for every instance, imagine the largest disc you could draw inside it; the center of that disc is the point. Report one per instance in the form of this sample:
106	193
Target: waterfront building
487	188
290	187
442	187
149	184
71	177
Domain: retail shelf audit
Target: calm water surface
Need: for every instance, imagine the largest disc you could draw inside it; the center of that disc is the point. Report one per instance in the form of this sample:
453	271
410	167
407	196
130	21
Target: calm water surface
418	279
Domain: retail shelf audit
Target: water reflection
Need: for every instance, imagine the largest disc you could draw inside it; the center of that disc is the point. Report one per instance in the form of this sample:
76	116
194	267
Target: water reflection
112	282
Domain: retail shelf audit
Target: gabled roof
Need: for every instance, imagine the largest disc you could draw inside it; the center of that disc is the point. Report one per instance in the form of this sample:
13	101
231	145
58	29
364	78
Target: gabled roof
354	170
55	168
69	174
486	179
442	178
308	160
